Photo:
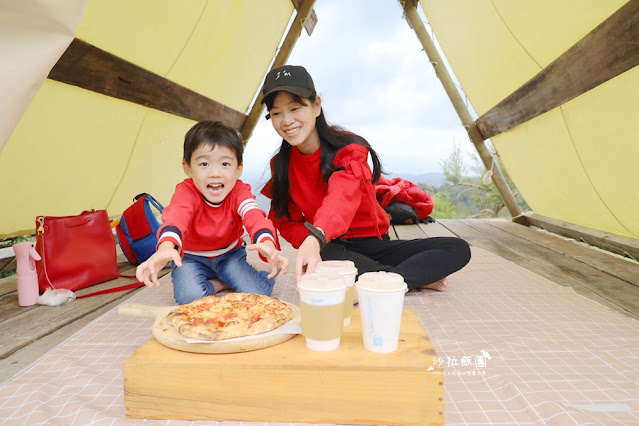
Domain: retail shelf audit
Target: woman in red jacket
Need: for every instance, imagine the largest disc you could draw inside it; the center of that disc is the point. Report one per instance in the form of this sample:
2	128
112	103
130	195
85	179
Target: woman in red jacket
323	198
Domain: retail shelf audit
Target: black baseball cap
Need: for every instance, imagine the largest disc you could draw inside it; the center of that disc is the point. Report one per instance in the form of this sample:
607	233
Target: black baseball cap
291	78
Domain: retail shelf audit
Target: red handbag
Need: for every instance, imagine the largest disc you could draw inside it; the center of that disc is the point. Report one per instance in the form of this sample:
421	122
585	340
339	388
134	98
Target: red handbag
76	251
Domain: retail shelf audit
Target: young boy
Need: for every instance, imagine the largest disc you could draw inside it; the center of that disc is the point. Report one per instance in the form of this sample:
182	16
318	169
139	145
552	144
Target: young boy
203	225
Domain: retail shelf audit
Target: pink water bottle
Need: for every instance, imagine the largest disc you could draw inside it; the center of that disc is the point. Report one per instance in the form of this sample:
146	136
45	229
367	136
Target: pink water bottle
26	274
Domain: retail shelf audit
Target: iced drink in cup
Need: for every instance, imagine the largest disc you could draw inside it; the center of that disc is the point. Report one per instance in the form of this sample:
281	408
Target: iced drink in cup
381	302
322	297
346	269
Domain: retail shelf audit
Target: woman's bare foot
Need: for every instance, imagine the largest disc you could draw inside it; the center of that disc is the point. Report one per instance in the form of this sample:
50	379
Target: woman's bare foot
441	285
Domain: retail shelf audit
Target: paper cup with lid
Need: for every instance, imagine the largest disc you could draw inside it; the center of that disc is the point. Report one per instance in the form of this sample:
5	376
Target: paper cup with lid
346	269
322	296
381	303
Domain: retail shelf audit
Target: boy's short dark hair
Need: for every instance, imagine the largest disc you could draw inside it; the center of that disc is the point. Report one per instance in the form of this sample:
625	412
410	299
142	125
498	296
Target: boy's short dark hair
213	133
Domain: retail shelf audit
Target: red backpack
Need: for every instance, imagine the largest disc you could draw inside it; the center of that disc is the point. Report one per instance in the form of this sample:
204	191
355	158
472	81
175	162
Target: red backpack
138	227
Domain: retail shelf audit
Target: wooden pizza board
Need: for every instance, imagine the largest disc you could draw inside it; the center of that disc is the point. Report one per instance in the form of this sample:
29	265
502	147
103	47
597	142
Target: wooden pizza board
166	334
289	383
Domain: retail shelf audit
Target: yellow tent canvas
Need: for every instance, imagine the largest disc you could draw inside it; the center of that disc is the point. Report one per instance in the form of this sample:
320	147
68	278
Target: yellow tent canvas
73	149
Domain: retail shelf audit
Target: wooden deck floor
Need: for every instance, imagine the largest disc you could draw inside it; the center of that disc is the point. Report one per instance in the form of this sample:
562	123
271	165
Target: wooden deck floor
600	276
26	333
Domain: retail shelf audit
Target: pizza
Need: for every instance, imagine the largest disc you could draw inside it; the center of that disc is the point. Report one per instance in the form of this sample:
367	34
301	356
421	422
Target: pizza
229	316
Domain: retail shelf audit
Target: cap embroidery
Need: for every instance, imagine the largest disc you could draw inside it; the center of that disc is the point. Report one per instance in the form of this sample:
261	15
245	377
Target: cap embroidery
286	74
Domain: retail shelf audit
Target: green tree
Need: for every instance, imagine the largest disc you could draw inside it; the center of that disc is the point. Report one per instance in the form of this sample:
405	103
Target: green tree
489	200
445	208
486	200
454	166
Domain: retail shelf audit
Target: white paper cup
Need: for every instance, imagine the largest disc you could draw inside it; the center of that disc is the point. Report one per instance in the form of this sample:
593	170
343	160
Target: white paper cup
322	297
346	269
381	303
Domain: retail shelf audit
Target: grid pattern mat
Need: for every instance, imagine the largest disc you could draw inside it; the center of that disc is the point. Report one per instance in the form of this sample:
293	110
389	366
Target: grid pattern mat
515	348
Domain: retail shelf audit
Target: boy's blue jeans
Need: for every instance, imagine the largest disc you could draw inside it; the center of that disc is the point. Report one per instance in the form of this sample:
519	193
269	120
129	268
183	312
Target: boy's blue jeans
191	280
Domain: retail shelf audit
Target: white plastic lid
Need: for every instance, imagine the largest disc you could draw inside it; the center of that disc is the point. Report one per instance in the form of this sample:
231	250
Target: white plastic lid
381	281
337	266
321	282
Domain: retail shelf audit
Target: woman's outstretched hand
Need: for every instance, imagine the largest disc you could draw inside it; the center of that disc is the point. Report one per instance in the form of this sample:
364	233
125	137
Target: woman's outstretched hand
308	256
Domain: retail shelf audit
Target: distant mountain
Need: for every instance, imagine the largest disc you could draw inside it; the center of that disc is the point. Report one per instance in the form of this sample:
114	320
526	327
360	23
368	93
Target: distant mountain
433	179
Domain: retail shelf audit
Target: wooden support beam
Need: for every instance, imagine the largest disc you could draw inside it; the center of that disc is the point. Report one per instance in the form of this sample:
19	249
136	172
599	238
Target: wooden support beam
304	10
607	51
92	68
624	246
415	21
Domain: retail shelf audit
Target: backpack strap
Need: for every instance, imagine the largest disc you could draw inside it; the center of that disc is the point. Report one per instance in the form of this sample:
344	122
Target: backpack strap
153	201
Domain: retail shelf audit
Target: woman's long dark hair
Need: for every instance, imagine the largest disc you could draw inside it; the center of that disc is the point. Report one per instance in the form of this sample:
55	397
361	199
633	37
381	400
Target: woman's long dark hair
332	139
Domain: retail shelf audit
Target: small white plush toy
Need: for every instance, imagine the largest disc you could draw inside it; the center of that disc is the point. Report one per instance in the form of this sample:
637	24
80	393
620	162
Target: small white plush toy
56	297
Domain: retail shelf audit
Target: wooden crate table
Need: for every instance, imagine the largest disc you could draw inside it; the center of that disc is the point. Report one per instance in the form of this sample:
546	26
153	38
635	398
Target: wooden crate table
290	383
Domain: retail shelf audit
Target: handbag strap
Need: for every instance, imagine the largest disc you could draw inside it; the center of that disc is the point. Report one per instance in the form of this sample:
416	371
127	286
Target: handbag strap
114	289
40	232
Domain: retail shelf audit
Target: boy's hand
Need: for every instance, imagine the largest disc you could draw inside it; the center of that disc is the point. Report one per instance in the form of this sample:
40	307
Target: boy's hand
270	253
147	271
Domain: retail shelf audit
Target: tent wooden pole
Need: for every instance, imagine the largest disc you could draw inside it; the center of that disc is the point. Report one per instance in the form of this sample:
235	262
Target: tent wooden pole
415	21
305	9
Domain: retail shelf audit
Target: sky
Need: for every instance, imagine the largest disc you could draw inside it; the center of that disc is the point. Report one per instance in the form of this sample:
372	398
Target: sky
374	79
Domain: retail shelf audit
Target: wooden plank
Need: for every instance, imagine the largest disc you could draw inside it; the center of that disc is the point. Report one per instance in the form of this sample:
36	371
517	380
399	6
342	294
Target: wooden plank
7	285
623	269
477	239
6	252
94	69
392	233
544	269
7	260
422	230
33	323
607	51
409	232
435	230
560	269
624	246
8	264
23	358
21	326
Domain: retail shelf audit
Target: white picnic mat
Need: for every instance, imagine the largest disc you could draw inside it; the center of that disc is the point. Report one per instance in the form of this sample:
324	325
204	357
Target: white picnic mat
517	349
